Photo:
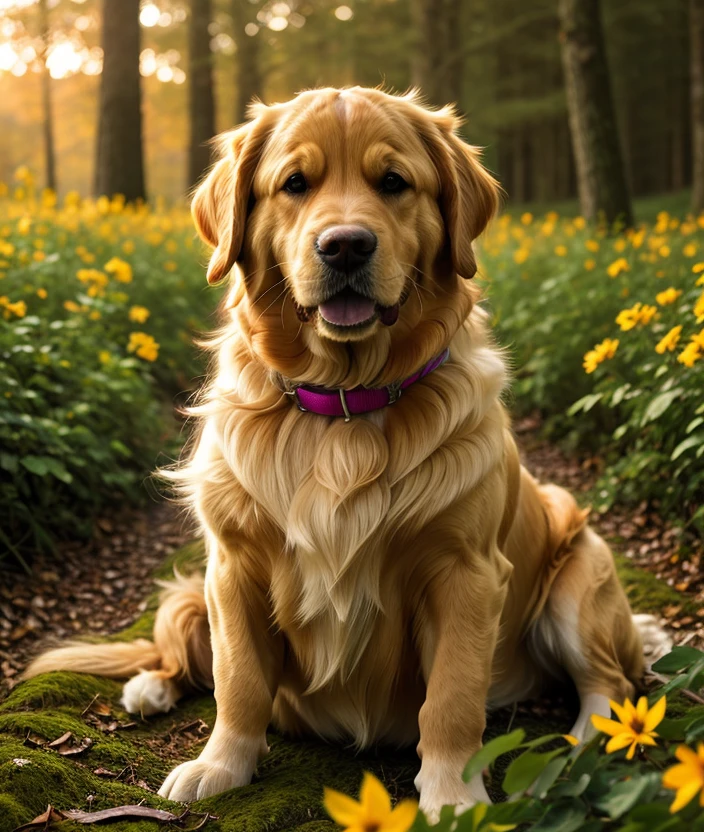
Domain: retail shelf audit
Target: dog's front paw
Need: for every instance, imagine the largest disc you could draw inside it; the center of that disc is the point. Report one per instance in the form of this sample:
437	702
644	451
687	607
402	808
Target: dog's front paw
198	779
442	785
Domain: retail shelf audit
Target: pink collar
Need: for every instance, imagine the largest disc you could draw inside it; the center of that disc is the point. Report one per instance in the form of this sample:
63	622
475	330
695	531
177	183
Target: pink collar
349	403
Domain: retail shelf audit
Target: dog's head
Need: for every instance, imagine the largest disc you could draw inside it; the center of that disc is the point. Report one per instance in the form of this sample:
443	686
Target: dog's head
341	205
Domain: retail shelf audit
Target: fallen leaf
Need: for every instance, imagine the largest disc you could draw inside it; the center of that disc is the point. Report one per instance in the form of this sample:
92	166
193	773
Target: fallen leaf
20	761
104	772
42	820
67	750
64	738
121	813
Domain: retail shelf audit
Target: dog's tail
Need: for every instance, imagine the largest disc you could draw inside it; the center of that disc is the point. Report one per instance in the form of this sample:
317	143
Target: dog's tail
178	659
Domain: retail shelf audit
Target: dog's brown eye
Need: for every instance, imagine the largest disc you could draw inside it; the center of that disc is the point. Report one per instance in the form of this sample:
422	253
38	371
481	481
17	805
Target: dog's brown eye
296	184
393	183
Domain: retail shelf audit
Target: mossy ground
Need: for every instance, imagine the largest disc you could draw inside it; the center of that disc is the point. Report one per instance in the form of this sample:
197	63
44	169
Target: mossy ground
286	793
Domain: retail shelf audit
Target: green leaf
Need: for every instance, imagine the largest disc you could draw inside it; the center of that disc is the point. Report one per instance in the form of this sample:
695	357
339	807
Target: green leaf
493	749
694	424
36	464
9	462
626	793
567	818
686	444
678	659
659	405
524	770
549	775
585	404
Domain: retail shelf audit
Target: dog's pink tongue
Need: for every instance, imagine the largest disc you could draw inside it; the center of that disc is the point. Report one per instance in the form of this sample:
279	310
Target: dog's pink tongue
347	309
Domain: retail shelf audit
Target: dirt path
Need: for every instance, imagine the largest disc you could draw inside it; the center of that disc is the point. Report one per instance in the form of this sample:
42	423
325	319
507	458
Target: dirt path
94	587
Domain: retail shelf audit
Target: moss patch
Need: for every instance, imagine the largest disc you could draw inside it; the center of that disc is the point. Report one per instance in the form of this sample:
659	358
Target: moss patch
285	795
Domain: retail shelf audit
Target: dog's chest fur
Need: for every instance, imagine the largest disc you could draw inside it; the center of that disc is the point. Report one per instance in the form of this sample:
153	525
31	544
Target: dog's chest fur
343	495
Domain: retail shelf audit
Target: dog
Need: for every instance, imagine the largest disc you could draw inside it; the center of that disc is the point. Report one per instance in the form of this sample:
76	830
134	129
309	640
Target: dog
380	567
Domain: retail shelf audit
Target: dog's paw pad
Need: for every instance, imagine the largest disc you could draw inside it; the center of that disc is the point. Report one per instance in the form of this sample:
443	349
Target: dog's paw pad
656	641
148	693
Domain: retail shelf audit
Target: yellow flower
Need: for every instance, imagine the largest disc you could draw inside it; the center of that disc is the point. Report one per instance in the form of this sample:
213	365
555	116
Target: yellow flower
527	218
38	256
139	314
669	342
24	225
698	268
592	245
687	777
42	293
699	308
601	352
590	264
104	357
561	251
690	250
520	255
690	354
71	306
664	251
95	315
19	308
618	266
144	346
121	269
579	222
636	725
128	246
639	313
620	244
373	812
668	296
23	174
7	249
170	266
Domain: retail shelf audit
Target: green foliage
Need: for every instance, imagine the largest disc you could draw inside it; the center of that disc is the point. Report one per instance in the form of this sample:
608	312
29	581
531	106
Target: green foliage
89	357
560	788
608	343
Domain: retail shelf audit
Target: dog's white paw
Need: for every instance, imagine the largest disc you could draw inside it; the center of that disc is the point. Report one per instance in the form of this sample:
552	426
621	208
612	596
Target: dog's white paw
441	785
148	694
196	780
656	641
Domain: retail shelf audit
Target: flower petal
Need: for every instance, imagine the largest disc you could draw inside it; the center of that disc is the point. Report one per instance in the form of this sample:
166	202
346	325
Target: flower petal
683	796
571	740
375	799
402	817
608	726
655	715
621	712
645	739
618	742
631	751
642	709
677	776
341	808
687	756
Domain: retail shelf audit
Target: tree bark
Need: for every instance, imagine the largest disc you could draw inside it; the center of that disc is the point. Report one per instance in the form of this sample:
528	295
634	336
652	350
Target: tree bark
696	11
439	61
47	126
601	180
201	99
249	79
120	164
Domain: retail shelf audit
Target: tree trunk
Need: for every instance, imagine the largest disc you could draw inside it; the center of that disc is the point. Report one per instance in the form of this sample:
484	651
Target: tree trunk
696	11
601	179
249	79
49	153
201	100
120	165
438	65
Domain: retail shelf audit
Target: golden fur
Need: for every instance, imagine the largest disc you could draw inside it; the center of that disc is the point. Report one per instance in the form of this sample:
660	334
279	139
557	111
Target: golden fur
387	578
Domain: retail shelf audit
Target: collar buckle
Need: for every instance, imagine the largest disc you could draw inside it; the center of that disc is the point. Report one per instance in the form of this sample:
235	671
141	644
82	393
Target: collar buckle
394	390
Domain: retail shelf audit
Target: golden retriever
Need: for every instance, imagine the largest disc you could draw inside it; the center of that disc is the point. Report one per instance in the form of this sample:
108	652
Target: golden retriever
384	577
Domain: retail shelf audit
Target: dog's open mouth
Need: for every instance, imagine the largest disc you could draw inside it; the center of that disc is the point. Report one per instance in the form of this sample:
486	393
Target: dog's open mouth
351	309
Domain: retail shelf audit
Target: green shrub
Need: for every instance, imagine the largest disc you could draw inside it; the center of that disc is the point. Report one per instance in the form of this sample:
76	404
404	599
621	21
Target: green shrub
592	320
98	306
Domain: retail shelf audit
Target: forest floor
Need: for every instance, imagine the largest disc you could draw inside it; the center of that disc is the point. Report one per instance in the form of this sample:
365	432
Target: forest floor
65	741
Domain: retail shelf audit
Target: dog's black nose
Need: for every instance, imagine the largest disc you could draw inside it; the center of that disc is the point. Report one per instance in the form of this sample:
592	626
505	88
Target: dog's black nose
345	247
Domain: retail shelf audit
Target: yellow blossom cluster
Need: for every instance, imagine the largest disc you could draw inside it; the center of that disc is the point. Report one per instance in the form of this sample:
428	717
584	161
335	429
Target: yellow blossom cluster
601	352
638	314
144	346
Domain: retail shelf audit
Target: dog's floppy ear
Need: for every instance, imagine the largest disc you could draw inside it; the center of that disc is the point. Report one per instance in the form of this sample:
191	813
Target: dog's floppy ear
221	202
469	194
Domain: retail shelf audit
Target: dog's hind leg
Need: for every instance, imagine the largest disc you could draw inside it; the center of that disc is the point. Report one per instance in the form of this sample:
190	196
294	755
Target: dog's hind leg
586	629
182	640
